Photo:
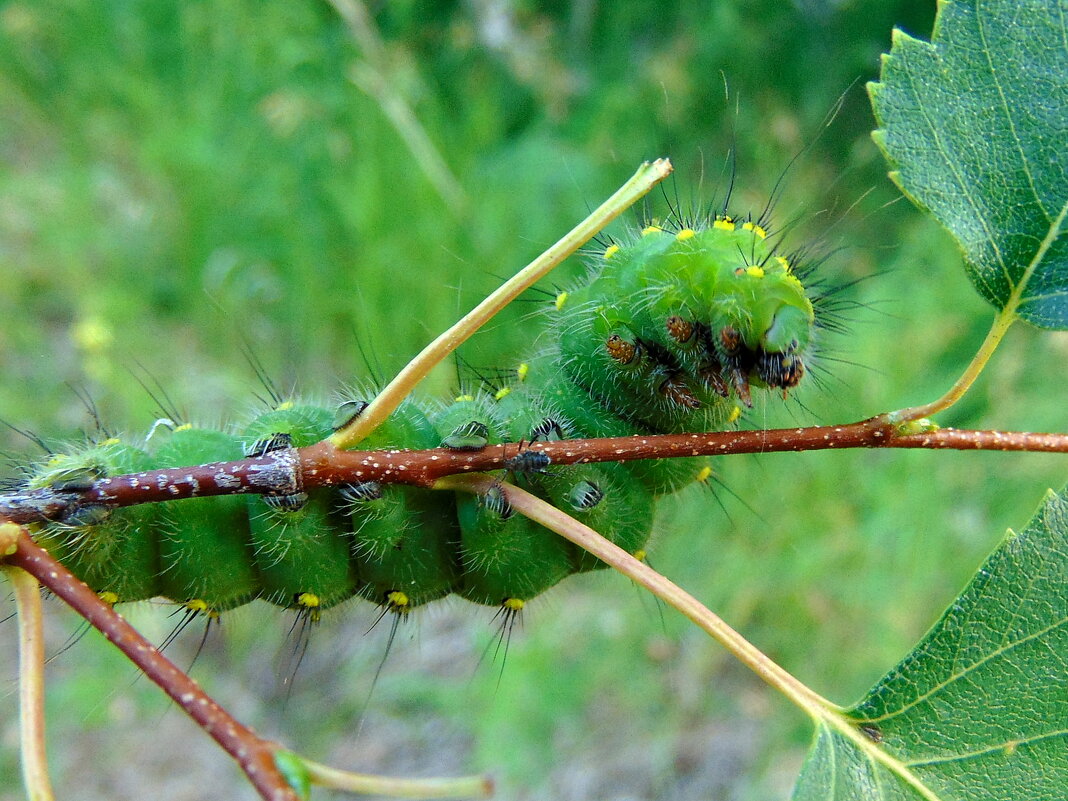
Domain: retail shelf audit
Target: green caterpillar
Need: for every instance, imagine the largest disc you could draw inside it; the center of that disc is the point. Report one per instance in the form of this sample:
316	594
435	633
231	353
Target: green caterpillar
668	333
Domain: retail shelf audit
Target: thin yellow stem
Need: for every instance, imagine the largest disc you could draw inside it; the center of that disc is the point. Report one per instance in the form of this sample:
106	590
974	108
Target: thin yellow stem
1002	322
461	787
31	683
647	176
585	537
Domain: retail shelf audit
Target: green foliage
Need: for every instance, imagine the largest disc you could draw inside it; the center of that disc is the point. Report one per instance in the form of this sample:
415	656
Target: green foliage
174	172
978	709
974	124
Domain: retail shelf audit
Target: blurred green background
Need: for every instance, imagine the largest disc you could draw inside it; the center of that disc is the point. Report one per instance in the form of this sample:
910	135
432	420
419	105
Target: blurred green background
182	180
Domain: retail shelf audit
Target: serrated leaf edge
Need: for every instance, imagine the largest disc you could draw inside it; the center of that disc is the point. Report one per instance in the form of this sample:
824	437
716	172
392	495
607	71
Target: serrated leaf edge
898	40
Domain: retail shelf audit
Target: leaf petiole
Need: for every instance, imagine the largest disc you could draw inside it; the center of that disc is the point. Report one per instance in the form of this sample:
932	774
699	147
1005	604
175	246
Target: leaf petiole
1002	322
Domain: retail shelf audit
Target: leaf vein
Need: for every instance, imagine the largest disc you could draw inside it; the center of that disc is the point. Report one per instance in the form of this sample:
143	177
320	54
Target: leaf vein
981	752
997	652
996	77
962	186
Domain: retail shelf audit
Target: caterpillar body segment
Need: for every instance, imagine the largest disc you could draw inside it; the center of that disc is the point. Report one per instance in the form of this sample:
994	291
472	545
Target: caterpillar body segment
206	551
613	503
469	423
302	551
671	332
590	416
411	546
115	551
606	498
406	541
507	557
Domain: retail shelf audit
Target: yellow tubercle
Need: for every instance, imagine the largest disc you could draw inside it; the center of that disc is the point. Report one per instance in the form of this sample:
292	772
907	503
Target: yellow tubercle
704	474
284	406
184	427
793	279
651	229
685	233
501	393
522	371
784	263
515	604
309	600
724	224
640	554
197	605
756	272
736	412
612	250
463	398
112	441
561	298
109	598
756	229
398	600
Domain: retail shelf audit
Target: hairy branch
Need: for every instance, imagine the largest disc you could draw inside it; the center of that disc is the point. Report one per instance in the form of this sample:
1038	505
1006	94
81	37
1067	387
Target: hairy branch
322	465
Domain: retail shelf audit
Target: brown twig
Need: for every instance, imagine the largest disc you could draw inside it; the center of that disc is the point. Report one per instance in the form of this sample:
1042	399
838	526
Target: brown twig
324	465
254	754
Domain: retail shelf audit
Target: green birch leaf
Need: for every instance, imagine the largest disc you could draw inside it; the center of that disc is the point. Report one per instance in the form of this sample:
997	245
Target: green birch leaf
979	709
975	127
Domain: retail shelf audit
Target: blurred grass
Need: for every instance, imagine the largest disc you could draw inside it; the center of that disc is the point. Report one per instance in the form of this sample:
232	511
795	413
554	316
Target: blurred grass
180	180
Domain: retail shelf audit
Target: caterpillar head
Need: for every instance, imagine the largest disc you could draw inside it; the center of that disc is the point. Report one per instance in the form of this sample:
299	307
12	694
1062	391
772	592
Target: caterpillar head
741	304
678	325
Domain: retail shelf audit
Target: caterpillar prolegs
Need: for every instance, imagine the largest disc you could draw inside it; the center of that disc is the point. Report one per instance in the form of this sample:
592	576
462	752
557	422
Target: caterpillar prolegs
668	333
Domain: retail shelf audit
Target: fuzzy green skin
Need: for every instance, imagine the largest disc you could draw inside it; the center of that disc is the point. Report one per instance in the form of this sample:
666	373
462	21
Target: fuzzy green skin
407	541
304	551
624	516
590	418
119	555
307	550
205	546
504	558
460	414
728	284
305	424
508	559
408	427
